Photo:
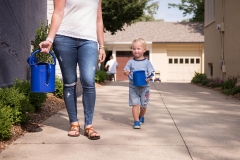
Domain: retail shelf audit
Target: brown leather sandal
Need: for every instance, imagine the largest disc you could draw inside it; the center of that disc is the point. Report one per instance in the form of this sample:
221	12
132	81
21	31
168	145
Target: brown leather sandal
76	128
89	131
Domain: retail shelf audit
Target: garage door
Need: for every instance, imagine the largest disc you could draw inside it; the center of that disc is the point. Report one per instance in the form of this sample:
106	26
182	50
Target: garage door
122	59
183	64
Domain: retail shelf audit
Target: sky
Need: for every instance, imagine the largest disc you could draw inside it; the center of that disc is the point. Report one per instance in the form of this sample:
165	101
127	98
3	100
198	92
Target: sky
170	14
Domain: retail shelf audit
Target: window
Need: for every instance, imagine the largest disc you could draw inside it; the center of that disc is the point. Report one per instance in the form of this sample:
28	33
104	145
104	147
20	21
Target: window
186	60
197	61
181	60
170	60
210	65
175	61
209	11
192	60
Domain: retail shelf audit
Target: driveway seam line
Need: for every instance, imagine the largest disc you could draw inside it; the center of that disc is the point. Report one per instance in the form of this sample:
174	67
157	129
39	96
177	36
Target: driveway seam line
173	122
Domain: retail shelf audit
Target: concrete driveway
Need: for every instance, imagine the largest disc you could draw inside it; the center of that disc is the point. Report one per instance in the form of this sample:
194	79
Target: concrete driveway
183	122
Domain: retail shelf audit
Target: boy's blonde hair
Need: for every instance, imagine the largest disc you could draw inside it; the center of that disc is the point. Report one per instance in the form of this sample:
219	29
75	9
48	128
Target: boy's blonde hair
141	40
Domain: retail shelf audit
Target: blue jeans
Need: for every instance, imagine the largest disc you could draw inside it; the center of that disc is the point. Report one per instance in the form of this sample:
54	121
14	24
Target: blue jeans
70	52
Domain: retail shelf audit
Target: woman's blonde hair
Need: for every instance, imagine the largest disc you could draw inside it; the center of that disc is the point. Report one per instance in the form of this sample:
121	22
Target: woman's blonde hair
141	40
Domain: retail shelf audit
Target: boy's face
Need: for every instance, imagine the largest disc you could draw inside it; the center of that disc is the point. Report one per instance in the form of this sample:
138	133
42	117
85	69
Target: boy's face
138	50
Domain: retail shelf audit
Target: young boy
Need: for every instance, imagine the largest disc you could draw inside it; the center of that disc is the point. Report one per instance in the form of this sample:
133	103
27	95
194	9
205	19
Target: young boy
138	96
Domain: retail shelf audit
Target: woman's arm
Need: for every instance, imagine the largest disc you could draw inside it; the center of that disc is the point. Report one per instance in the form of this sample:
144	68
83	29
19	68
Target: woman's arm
100	33
57	17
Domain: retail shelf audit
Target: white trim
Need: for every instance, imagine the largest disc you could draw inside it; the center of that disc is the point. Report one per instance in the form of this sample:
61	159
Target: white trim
209	12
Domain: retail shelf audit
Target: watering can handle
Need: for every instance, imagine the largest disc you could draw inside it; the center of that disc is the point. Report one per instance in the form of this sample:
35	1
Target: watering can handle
150	75
48	73
39	50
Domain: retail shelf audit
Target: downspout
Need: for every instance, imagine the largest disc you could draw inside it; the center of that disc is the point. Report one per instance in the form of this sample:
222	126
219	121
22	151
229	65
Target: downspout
222	39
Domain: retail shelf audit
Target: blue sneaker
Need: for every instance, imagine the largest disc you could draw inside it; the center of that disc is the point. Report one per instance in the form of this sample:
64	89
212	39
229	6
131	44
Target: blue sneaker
136	125
141	119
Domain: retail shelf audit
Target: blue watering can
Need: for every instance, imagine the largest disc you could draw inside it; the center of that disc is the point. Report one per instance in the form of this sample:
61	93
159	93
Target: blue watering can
42	74
139	78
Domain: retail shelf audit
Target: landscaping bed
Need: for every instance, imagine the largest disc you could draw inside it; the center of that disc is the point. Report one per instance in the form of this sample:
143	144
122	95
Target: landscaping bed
50	107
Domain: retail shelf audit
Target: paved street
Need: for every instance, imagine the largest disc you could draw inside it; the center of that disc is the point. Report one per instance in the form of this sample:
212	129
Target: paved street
183	122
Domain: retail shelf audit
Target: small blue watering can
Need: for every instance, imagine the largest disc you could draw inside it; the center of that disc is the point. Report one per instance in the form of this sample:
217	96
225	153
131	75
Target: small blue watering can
139	78
42	74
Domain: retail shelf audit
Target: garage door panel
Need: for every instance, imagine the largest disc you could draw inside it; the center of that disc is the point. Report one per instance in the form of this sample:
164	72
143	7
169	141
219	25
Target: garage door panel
122	61
184	64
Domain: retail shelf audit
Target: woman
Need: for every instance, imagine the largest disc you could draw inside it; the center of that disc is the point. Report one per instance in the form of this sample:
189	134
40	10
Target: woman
76	33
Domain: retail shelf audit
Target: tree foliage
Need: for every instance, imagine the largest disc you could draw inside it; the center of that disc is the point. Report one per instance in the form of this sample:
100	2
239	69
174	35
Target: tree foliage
117	13
149	12
195	7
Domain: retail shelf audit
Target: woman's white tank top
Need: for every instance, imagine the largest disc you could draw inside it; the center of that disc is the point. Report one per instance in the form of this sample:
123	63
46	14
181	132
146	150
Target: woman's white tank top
80	19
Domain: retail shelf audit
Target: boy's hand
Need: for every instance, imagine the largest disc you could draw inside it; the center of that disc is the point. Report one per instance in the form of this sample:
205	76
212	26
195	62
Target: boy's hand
148	79
126	73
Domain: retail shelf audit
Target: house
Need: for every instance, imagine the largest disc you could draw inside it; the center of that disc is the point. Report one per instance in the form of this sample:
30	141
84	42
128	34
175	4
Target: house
175	49
222	38
18	23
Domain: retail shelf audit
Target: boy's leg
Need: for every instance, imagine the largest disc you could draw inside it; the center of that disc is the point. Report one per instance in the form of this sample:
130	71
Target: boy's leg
135	112
134	101
141	114
144	103
142	111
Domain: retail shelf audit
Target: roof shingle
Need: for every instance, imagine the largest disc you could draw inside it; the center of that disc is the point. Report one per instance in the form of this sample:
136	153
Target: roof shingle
159	32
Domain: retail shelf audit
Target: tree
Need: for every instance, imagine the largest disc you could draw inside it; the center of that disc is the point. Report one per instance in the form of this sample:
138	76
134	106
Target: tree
117	13
195	7
150	10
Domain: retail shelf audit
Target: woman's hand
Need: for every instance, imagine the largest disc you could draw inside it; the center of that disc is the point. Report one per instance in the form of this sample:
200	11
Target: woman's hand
45	46
101	55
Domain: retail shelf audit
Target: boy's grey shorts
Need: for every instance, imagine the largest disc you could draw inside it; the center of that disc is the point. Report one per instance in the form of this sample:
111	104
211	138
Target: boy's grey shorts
138	96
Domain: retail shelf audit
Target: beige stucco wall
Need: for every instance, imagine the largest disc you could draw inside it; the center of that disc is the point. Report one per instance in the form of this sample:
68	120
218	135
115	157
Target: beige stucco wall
160	55
223	44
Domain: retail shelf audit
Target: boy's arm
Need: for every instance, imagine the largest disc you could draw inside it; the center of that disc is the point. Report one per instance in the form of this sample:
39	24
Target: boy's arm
149	78
126	72
126	69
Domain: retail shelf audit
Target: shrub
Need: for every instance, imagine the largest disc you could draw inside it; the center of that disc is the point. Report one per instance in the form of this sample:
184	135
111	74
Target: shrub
215	83
206	81
198	77
41	35
5	122
20	105
100	76
235	90
59	88
230	82
36	99
232	91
